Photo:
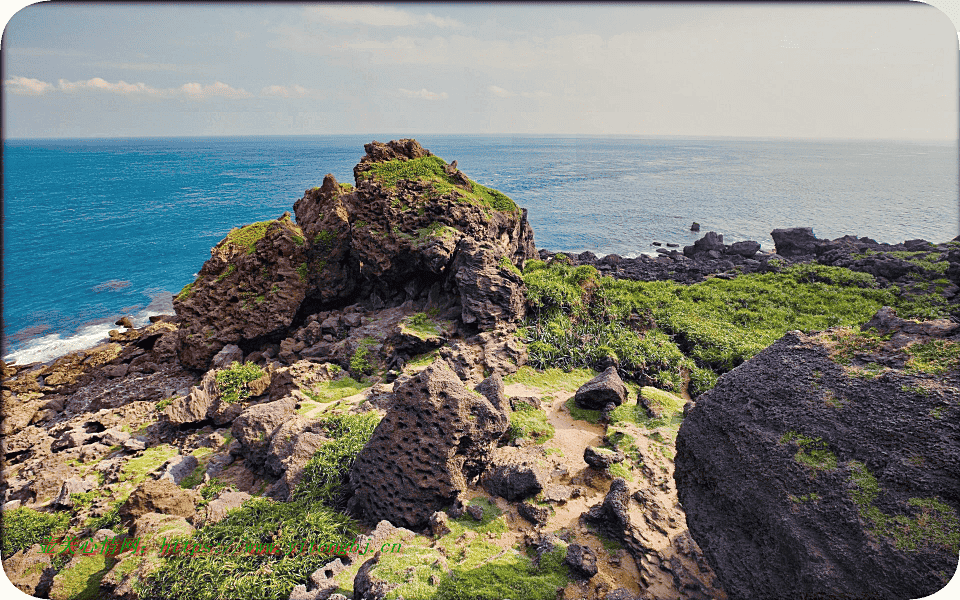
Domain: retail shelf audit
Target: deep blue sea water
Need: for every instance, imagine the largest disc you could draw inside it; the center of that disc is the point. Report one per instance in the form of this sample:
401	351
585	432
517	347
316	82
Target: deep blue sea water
95	229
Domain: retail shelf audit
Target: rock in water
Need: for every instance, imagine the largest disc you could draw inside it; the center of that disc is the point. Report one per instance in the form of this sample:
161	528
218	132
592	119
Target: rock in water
805	478
602	389
436	436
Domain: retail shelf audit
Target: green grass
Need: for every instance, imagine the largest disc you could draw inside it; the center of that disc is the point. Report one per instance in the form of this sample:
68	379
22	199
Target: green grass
420	325
248	236
330	391
813	452
582	414
81	581
578	318
551	379
530	423
936	357
308	518
422	360
136	469
504	264
232	381
303	271
933	524
162	404
324	240
23	527
619	470
226	272
429	169
186	291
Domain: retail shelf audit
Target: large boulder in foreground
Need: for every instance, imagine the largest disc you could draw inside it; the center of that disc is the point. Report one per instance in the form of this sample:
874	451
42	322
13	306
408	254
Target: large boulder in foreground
828	466
603	389
794	241
436	436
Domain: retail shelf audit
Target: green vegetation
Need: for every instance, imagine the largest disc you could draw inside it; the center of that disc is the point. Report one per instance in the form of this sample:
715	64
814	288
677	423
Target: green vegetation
232	381
248	236
324	239
186	291
850	341
360	362
298	240
162	404
579	318
811	497
935	525
551	379
429	169
504	264
110	519
931	262
23	527
330	391
936	357
420	325
619	470
81	580
136	469
272	526
582	414
226	272
422	360
303	271
530	423
813	452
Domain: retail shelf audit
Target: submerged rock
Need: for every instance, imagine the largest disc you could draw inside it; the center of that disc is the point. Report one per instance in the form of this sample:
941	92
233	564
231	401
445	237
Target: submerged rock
826	466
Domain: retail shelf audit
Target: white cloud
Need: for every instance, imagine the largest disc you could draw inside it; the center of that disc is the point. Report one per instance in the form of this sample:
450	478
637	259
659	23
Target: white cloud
217	89
375	16
26	86
284	91
423	94
537	94
500	92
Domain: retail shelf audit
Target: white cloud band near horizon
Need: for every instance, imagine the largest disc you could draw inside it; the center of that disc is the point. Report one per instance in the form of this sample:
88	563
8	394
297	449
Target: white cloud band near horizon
375	16
27	86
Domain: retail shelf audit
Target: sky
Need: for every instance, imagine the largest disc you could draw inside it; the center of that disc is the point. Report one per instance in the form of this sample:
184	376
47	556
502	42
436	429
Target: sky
742	70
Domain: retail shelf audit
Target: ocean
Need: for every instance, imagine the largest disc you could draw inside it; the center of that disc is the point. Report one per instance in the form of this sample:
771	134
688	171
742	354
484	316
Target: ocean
95	229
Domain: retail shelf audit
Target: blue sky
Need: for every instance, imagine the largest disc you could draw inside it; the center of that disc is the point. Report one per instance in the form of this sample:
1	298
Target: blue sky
777	70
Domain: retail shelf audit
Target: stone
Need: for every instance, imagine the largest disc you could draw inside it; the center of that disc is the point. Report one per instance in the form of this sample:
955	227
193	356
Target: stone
605	387
218	508
538	515
490	296
513	475
178	468
783	461
695	226
602	458
71	486
30	570
438	524
195	406
435	436
254	427
230	354
475	511
746	249
581	560
368	587
795	241
159	496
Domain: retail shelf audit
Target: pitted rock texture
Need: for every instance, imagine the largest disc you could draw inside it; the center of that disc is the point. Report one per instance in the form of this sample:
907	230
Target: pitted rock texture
436	435
424	239
803	477
250	289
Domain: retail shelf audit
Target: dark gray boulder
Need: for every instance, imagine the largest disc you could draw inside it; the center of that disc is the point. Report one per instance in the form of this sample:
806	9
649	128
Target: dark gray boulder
602	389
795	241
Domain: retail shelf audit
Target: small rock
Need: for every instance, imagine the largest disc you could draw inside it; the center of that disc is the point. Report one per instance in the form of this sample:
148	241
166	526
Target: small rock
695	226
582	561
178	468
438	524
601	458
538	515
71	486
475	511
602	389
231	353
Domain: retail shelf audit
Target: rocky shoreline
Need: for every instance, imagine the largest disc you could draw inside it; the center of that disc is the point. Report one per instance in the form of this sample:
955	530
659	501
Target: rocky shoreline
387	319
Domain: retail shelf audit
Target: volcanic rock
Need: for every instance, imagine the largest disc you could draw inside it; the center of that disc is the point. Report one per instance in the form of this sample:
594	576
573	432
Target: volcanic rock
435	436
819	469
795	241
602	389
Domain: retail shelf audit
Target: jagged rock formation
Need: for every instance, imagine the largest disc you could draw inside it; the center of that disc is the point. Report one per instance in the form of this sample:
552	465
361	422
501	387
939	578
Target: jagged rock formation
826	466
436	436
410	231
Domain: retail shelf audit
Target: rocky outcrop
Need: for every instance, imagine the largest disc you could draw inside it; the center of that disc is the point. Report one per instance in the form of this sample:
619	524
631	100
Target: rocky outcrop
159	496
825	466
249	290
796	241
421	233
436	436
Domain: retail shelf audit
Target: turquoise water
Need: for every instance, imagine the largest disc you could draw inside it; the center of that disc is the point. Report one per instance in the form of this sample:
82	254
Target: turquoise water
95	229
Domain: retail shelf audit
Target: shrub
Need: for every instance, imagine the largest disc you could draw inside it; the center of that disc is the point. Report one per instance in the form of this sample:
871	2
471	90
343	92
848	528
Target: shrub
232	381
248	236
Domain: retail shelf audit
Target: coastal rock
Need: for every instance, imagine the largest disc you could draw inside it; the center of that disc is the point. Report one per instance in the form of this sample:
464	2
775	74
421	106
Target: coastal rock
581	560
601	458
219	507
255	426
827	469
195	406
513	475
435	436
231	353
490	294
795	241
159	496
746	249
604	388
178	468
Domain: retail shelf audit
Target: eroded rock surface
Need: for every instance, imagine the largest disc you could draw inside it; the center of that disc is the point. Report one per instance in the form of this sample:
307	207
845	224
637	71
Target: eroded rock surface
436	436
826	466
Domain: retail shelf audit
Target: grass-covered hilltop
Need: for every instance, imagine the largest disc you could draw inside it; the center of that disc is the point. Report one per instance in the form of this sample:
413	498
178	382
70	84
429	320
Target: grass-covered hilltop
392	394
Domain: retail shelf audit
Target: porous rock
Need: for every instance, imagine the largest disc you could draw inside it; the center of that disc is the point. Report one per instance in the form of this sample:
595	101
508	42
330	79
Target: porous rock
605	387
435	436
792	469
159	496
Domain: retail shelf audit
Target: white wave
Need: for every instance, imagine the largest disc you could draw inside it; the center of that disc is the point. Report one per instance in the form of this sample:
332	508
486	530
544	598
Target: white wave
53	345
